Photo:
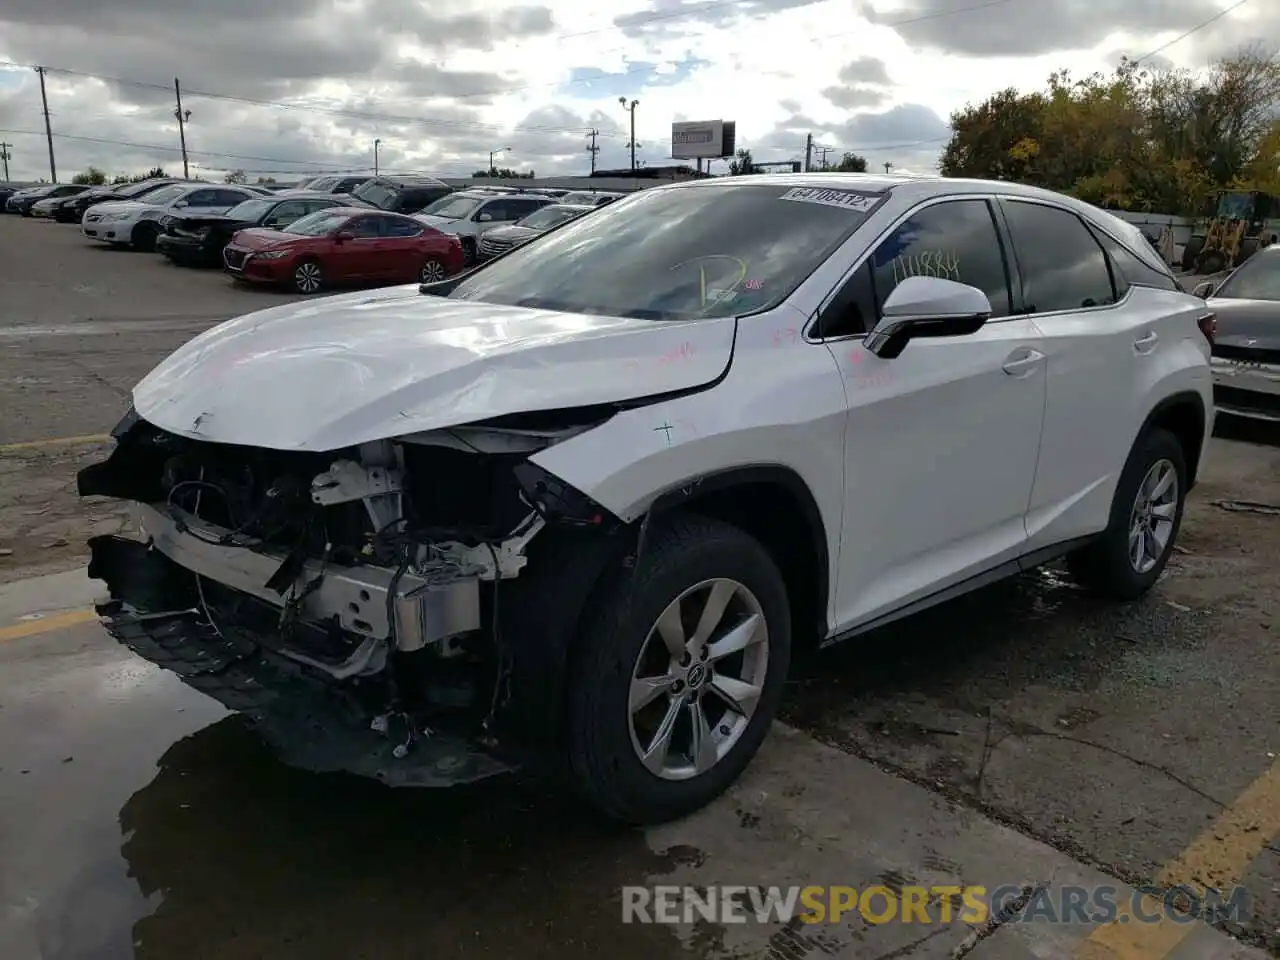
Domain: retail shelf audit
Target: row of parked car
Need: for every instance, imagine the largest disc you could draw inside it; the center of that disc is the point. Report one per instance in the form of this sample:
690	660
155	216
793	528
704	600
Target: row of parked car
326	232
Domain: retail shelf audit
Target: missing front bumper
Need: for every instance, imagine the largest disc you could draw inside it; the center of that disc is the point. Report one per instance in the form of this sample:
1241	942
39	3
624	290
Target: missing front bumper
311	721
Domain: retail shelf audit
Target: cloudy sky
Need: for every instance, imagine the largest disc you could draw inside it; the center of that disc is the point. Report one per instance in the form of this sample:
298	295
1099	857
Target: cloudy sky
306	86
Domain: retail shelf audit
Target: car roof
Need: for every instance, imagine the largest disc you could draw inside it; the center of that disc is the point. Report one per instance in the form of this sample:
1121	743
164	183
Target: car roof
912	187
570	206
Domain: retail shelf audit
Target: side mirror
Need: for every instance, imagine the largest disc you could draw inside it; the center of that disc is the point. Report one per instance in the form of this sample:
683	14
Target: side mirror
180	204
485	217
342	236
1204	290
927	307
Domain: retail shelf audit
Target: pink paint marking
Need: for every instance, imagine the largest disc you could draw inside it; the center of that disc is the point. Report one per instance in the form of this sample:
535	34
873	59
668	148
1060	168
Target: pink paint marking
789	335
682	352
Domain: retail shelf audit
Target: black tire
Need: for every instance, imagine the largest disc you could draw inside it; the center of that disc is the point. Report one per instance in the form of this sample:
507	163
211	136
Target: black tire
1191	252
1248	247
144	236
1212	262
1104	567
677	555
303	274
468	251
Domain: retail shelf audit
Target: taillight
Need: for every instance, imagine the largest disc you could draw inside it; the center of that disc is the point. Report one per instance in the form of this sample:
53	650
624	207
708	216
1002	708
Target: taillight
1208	325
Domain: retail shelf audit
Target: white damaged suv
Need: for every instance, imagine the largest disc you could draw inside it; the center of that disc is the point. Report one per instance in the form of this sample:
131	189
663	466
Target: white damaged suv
574	509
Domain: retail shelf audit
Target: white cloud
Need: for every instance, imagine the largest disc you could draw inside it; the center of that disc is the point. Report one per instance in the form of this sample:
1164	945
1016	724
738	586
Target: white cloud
442	82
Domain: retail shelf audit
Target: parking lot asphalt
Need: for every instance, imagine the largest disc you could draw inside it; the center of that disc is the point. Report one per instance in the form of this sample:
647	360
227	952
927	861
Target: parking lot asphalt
1023	736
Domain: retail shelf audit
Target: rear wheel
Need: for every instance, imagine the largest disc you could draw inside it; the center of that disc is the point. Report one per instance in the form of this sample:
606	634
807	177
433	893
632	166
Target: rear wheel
433	271
1146	515
677	675
1191	252
144	236
1211	262
307	277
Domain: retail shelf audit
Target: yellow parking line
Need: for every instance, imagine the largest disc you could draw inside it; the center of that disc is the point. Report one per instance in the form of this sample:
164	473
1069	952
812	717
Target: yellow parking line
55	442
1218	858
59	621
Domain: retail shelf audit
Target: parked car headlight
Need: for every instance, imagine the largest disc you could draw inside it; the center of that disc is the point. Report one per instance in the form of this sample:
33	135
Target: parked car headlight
116	216
271	254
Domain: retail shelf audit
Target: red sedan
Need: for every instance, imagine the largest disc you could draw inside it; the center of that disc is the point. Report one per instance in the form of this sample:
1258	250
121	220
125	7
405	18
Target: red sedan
343	245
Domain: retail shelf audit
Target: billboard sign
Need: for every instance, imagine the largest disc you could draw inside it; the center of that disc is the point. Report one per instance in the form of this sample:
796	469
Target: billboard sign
703	139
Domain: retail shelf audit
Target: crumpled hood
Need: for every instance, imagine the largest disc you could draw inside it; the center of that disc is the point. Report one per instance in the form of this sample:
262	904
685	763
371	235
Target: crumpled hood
330	373
443	224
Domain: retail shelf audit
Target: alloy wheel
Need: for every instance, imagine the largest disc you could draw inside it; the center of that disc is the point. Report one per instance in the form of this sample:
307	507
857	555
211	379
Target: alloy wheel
698	679
1155	508
307	277
432	271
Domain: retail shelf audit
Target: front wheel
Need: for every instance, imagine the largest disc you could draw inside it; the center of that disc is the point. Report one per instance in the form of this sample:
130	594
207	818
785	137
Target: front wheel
1146	515
678	673
144	236
307	277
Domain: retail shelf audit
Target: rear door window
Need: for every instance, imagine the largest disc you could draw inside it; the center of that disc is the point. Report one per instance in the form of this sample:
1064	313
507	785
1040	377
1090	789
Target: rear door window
1062	265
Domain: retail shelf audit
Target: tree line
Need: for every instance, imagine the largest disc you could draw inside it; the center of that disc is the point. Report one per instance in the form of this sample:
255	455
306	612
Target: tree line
94	177
1138	139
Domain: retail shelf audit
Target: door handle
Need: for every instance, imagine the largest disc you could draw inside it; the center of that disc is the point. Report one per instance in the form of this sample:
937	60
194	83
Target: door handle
1023	363
1146	343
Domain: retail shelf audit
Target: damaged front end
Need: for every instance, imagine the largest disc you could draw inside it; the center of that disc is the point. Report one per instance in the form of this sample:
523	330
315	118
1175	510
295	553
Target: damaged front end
351	604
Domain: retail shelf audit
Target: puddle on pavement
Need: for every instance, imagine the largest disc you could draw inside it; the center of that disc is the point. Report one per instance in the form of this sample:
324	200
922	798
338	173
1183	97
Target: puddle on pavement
230	854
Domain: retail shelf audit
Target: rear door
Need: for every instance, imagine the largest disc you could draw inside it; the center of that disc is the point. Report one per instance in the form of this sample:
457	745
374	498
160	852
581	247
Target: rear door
402	251
1096	338
366	254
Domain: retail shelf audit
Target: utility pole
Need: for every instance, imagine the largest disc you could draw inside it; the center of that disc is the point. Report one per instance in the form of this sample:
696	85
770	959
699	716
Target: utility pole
377	143
808	152
4	155
48	128
631	109
592	148
183	116
824	151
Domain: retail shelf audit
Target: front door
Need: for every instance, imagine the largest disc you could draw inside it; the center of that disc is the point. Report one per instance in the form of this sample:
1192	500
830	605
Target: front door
941	442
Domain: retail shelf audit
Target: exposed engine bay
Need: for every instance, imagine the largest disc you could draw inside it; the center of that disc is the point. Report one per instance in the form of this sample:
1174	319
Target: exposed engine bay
349	603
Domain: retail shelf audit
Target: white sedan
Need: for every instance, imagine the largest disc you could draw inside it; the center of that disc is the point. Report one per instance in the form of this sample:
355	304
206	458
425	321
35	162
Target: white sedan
137	223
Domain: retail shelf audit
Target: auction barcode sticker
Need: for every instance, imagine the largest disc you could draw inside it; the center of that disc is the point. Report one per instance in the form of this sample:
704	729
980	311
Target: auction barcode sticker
849	199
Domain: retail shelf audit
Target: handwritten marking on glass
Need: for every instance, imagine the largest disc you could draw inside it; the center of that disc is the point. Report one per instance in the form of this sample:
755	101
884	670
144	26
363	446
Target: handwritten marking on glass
943	264
755	285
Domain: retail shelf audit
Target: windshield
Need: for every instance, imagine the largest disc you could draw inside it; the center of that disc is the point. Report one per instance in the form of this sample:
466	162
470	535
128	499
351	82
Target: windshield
250	209
435	205
587	199
379	194
678	253
1257	279
317	224
457	207
166	195
548	217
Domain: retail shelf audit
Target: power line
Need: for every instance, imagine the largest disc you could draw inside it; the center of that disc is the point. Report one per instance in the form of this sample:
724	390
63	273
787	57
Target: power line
159	147
1196	29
